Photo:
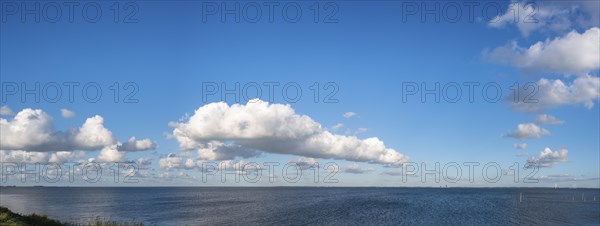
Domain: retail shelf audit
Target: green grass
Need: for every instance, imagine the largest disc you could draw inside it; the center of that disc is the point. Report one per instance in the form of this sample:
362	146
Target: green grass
8	218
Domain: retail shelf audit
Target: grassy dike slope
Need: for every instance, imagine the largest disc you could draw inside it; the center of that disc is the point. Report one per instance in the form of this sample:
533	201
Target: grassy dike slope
8	218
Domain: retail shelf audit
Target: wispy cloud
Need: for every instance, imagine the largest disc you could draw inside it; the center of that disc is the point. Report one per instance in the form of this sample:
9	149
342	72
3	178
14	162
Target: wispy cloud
349	114
66	113
5	110
549	119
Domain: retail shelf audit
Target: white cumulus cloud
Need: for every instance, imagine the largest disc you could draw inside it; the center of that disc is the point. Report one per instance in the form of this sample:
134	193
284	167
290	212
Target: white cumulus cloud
574	53
137	145
111	154
584	90
33	131
528	131
171	161
548	158
93	135
274	128
532	16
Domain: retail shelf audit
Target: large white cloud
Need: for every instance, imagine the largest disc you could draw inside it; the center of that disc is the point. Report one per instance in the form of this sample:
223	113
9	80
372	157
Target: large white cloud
584	90
548	158
528	131
275	128
32	131
29	130
93	135
573	53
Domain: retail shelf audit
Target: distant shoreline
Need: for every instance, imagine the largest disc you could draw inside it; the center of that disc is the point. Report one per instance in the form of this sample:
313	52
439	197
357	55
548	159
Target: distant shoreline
39	186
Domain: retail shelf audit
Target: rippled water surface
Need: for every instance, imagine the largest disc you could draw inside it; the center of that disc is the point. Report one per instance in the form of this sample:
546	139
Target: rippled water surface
331	206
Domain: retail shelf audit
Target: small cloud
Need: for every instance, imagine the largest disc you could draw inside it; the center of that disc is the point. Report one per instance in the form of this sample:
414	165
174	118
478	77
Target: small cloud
337	126
399	173
66	113
548	158
521	146
522	153
392	173
549	119
20	156
361	130
306	163
349	114
172	161
555	93
111	154
5	110
528	131
581	50
66	156
356	169
168	135
144	161
549	16
137	145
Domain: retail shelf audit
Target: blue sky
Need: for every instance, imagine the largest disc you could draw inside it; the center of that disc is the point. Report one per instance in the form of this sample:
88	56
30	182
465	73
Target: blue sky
368	54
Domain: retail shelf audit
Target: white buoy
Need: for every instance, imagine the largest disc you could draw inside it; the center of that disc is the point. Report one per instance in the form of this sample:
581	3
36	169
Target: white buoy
521	197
